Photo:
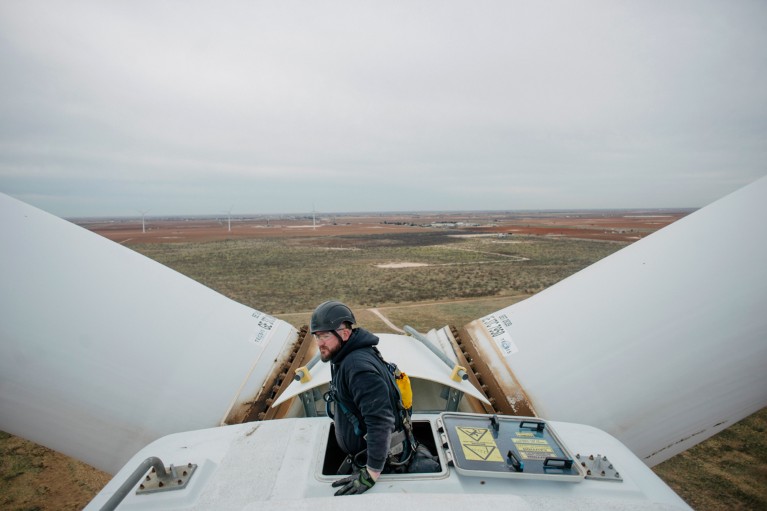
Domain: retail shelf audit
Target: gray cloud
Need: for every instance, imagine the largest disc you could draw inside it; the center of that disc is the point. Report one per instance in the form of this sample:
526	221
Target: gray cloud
190	107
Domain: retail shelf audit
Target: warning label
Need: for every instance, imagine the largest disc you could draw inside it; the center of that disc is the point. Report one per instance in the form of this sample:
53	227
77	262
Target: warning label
478	444
533	448
534	451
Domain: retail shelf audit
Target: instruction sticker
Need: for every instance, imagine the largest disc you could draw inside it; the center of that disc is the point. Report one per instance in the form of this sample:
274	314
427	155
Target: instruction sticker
498	326
478	444
533	448
541	441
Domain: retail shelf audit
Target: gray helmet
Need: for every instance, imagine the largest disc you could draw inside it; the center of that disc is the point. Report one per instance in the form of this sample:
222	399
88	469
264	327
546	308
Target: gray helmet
330	316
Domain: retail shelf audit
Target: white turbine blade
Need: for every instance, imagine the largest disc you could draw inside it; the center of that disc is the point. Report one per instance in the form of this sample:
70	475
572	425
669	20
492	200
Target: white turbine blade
662	344
104	350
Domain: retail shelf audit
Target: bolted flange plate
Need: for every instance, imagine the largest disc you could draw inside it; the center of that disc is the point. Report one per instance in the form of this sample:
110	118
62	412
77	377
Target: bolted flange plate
598	467
176	479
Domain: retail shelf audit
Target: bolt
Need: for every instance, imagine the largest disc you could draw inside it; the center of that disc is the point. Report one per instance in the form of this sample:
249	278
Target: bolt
617	474
184	473
578	456
588	472
611	466
179	481
603	473
147	478
141	487
591	457
160	484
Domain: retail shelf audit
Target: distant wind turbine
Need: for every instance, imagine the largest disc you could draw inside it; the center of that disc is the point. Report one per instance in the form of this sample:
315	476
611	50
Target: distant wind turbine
229	216
143	224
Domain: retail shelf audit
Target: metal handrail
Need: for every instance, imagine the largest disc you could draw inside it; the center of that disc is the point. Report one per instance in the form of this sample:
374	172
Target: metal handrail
426	342
133	479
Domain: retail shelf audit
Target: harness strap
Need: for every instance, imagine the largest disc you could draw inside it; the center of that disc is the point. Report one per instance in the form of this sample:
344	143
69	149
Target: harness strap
397	444
398	439
352	418
399	453
404	413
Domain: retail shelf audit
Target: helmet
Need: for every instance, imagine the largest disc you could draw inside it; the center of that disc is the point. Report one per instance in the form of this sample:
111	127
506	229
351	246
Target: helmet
329	316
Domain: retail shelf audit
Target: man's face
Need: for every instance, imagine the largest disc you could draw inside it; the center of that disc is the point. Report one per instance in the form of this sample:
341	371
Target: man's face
329	344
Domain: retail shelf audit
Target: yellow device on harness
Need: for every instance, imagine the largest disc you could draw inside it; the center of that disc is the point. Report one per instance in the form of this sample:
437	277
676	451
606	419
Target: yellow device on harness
405	391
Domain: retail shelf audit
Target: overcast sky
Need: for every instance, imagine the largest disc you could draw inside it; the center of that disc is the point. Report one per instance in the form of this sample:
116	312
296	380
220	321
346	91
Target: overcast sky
110	108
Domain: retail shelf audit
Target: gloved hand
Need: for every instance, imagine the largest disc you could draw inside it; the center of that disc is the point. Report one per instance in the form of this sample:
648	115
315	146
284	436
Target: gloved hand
358	482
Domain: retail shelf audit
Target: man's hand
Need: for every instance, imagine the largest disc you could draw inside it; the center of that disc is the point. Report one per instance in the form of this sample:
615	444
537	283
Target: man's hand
358	482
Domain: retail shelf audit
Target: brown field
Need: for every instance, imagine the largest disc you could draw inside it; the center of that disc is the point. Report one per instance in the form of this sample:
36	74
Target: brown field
626	226
728	471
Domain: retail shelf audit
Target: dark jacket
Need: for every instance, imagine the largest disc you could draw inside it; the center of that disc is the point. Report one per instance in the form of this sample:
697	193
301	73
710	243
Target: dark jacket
362	385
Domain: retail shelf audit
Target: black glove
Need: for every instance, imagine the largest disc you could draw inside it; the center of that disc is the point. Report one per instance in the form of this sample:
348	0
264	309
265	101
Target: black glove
358	482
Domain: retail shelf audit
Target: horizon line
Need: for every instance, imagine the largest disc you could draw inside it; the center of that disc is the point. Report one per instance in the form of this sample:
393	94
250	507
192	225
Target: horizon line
177	216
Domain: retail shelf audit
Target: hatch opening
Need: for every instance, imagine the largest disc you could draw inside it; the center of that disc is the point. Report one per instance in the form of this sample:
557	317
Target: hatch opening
334	456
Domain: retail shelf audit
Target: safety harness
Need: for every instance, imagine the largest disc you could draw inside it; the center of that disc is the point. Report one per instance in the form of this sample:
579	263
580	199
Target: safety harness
403	443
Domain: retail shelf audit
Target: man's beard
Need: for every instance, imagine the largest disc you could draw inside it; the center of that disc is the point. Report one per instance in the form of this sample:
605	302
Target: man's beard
329	352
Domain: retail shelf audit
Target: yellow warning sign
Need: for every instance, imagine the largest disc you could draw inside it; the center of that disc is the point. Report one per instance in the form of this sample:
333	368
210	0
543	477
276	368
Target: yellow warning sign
478	444
474	434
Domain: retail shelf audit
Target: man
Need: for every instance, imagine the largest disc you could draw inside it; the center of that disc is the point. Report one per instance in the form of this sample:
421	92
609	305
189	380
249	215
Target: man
367	414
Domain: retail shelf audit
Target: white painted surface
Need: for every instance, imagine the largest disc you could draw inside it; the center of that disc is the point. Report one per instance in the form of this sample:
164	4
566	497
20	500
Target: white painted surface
103	350
661	344
278	465
412	357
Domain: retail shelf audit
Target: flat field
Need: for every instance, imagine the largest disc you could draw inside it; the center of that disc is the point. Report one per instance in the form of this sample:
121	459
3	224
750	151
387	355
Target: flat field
621	225
424	271
289	275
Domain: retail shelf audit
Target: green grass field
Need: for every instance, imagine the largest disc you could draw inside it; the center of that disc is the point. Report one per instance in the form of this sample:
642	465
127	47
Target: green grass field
281	276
